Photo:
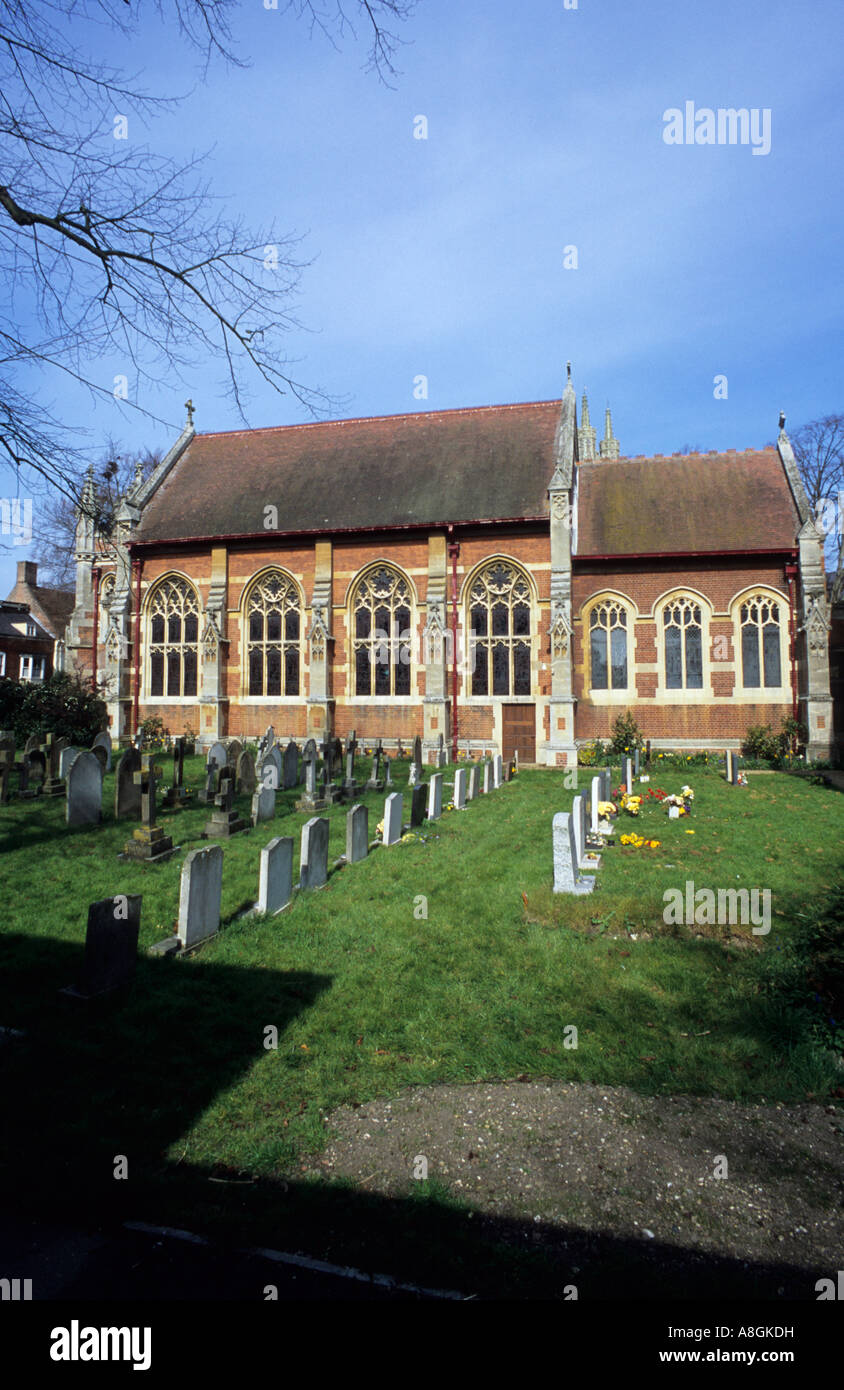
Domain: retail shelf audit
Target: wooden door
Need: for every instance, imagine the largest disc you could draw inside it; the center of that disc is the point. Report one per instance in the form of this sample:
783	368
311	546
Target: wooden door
518	732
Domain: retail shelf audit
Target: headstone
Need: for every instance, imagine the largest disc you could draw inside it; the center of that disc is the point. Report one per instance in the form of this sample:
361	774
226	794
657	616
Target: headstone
138	740
313	857
399	750
177	793
567	878
127	794
245	773
595	799
435	796
65	759
33	742
636	761
627	775
392	818
416	762
487	778
148	840
357	834
268	771
290	767
497	770
578	814
36	764
375	783
460	789
7	763
111	946
52	747
263	804
275	878
474	786
103	740
84	791
216	756
312	798
418	804
388	781
269	737
234	748
212	785
350	786
224	818
200	895
99	753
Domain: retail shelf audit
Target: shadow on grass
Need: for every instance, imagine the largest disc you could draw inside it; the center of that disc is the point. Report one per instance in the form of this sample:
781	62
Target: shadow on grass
129	1076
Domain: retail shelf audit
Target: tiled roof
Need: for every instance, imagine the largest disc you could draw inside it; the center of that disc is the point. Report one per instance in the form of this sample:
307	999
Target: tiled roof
52	607
14	620
684	503
485	464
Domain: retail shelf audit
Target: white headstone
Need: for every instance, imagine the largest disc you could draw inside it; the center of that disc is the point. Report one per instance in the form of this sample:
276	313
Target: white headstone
392	818
217	756
313	856
487	782
84	791
595	798
460	789
474	784
498	770
200	893
566	876
578	812
435	796
275	879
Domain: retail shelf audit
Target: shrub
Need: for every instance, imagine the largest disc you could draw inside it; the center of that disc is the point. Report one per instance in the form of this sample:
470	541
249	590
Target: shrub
155	735
64	705
593	754
761	742
626	734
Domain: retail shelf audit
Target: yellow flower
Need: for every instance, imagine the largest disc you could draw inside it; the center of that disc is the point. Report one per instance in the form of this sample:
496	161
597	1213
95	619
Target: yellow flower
654	844
690	832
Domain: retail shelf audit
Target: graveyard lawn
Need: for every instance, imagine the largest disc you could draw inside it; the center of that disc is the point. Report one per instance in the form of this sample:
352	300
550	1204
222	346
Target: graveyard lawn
443	959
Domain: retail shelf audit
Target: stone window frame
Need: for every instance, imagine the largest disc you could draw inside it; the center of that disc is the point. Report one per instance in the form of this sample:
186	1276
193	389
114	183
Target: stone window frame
351	607
174	577
683	694
243	617
760	694
613	695
466	665
105	598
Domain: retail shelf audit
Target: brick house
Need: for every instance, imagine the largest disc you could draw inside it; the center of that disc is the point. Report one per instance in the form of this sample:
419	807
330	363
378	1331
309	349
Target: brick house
26	648
313	577
51	608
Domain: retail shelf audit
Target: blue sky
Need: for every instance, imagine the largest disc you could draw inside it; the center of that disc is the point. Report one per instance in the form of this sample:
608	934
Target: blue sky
444	257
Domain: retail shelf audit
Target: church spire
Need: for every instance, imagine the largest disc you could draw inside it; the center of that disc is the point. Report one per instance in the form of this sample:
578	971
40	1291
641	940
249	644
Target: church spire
610	447
585	434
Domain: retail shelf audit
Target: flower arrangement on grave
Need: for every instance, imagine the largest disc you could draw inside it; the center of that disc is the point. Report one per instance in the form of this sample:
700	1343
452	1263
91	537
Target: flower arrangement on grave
607	810
631	804
639	842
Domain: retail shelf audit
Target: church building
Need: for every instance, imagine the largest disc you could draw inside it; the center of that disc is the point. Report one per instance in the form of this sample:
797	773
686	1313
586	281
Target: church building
494	575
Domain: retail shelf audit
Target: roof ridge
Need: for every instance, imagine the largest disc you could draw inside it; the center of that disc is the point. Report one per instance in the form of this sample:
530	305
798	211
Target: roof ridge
668	458
374	419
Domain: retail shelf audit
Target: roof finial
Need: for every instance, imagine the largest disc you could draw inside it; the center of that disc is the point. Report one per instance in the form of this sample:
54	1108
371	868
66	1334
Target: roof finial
568	370
586	434
609	447
782	419
189	409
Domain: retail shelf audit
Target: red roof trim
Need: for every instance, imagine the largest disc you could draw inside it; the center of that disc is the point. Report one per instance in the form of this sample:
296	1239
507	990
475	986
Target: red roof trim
542	519
687	554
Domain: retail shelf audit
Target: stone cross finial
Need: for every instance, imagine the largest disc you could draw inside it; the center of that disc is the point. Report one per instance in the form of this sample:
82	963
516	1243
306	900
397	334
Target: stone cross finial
189	409
147	779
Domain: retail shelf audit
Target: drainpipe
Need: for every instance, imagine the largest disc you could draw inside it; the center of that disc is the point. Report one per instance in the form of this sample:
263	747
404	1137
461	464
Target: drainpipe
95	578
454	551
791	574
137	566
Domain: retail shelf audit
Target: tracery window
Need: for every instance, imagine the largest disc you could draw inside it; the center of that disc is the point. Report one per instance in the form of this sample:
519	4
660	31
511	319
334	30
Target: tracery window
608	646
683	637
381	643
173	627
499	622
273	627
760	642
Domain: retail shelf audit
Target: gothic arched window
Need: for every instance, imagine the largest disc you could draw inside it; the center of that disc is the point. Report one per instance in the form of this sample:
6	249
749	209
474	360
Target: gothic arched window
106	597
499	623
760	642
273	627
608	645
683	638
173	631
382	633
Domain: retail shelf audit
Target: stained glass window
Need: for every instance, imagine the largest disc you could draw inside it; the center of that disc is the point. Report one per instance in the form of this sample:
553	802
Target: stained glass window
608	646
760	643
381	643
273	625
173	633
499	621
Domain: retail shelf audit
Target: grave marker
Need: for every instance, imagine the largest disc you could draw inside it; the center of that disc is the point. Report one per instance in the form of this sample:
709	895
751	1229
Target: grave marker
567	878
357	834
435	796
460	789
392	818
313	858
127	794
111	947
200	895
84	791
275	877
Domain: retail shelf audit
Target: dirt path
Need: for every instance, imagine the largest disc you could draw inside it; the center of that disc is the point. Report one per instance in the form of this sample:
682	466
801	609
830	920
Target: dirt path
611	1161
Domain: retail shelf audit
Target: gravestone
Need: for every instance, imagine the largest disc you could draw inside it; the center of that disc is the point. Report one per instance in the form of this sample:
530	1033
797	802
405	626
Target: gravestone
263	804
311	799
234	748
127	794
36	765
99	753
474	786
418	804
416	763
52	747
269	769
460	789
84	791
138	740
290	768
487	783
177	793
388	781
376	782
148	840
216	756
246	773
350	786
7	764
33	742
578	814
103	740
392	818
627	775
207	793
224	818
275	876
332	752
567	878
357	834
200	895
435	796
595	799
497	770
111	947
313	857
65	759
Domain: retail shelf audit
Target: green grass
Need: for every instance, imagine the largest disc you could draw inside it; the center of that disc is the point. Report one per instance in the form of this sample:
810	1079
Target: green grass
369	995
